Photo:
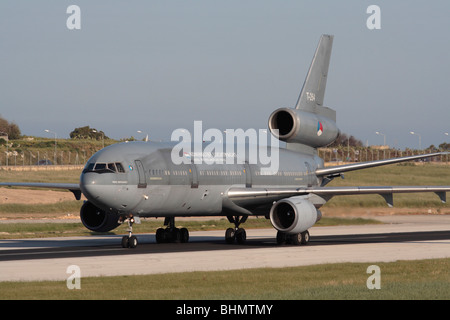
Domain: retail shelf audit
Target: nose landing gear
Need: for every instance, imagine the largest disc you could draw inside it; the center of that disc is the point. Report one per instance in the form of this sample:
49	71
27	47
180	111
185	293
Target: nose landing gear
129	241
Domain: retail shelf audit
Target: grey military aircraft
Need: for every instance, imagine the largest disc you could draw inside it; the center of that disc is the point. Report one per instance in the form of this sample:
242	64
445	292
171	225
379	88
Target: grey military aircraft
128	181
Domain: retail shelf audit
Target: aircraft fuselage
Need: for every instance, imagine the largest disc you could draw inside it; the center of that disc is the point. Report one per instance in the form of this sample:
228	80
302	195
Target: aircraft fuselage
139	178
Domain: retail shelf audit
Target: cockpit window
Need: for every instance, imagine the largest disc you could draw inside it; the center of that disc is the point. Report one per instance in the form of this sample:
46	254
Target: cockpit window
100	167
120	167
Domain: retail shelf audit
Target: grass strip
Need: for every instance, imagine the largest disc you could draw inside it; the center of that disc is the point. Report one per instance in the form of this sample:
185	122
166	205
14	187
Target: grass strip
420	279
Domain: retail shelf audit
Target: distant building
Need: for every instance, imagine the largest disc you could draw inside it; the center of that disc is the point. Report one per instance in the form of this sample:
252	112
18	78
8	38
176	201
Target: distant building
380	147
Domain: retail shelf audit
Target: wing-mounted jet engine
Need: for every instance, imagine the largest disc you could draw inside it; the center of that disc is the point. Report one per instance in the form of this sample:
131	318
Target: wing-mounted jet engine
95	219
292	217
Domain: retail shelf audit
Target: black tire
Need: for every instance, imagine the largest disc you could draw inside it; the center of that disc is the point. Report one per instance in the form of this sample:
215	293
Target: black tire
281	238
176	235
125	241
160	235
305	237
296	239
241	236
132	242
230	235
184	235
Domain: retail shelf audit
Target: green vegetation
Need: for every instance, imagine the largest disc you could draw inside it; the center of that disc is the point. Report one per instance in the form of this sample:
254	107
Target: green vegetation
423	279
57	176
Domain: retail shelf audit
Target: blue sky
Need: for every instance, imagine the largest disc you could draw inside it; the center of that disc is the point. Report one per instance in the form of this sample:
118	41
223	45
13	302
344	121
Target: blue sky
156	66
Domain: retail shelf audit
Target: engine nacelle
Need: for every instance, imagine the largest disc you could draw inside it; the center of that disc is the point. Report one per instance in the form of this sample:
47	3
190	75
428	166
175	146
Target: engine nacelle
95	219
294	215
312	129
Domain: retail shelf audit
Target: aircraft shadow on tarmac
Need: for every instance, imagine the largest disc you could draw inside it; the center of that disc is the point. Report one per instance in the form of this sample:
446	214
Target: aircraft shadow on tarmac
107	246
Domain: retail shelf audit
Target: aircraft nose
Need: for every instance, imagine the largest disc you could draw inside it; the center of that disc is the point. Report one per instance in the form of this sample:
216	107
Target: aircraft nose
89	186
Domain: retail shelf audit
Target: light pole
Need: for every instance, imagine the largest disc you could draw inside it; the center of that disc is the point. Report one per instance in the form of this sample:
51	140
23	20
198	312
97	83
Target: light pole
46	130
446	155
103	136
146	137
7	142
420	138
384	150
382	134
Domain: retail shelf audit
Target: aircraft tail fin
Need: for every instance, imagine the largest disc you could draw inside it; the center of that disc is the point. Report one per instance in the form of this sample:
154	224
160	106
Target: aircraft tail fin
309	125
313	91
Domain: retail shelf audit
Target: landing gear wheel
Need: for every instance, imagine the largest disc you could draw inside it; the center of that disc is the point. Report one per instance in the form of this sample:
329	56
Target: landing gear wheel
125	241
175	234
241	236
132	242
129	241
236	233
160	235
305	237
230	235
296	239
171	234
281	238
184	235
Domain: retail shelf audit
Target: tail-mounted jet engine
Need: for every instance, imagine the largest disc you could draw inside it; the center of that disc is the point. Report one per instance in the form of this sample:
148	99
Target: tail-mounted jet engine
312	129
294	215
96	219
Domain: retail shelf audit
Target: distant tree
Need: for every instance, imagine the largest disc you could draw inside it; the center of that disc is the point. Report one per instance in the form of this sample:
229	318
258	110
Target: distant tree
344	140
11	129
87	133
444	146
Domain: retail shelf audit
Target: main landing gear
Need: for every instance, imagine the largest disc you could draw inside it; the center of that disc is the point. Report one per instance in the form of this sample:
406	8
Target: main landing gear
295	239
171	233
168	235
236	234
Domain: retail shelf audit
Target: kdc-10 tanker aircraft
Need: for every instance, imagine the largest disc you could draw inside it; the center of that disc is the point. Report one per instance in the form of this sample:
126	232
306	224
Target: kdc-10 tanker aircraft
127	181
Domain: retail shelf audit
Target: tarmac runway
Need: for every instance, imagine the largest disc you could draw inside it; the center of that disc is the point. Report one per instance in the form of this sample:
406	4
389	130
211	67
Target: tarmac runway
401	238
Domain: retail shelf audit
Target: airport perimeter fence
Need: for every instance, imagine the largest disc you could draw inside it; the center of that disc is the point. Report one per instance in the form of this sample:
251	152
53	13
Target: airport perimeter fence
360	154
43	158
68	159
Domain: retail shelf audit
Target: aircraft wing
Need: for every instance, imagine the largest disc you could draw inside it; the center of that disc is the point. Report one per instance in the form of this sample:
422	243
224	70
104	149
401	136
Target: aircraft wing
336	170
75	188
249	197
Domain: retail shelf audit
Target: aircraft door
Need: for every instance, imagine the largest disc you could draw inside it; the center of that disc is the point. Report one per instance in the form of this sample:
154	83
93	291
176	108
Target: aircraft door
193	175
309	178
141	172
248	175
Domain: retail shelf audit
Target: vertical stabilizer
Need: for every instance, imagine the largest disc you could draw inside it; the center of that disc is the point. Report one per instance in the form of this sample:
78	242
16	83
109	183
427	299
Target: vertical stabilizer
313	90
